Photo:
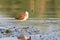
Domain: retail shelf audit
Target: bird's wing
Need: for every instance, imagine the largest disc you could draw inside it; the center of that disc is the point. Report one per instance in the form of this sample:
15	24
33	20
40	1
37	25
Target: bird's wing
22	16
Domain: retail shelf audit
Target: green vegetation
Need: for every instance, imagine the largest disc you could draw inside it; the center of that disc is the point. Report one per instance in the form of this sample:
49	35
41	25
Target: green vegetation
15	7
8	31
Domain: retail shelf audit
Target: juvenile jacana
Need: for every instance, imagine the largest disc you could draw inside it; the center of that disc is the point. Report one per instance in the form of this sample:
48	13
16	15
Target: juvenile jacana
24	16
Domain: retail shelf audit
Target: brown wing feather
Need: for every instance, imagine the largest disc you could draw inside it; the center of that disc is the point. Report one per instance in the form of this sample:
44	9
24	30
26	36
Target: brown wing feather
22	16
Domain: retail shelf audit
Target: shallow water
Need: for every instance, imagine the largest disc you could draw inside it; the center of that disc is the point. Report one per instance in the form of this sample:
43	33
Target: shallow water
44	25
49	29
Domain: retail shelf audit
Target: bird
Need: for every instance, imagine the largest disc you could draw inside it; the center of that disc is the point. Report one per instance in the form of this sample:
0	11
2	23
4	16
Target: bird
23	16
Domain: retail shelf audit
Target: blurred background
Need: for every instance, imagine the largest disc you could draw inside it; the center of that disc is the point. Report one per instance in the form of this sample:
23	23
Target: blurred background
40	9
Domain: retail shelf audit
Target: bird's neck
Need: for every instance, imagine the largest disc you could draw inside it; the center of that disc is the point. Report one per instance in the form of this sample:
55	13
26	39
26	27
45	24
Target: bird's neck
27	13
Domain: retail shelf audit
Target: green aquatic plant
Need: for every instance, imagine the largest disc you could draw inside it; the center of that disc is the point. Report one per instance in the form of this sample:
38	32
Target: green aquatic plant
8	31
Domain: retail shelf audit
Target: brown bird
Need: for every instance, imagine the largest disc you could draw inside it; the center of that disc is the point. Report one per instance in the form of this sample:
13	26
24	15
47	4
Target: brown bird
23	16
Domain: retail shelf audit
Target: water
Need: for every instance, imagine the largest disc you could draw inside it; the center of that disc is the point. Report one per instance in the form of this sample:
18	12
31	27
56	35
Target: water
47	29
